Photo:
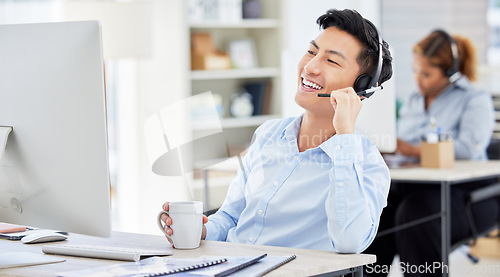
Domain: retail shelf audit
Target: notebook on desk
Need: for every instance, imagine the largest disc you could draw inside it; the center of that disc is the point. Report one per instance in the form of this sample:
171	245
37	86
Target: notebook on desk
242	266
266	265
159	266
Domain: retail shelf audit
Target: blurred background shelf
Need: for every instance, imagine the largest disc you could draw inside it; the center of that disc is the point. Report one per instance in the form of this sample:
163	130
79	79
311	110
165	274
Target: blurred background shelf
260	23
235	122
261	72
261	79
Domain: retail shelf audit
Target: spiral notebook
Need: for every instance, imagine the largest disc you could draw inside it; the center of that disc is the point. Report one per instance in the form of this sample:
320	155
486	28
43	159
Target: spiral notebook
258	266
265	266
234	264
154	266
244	266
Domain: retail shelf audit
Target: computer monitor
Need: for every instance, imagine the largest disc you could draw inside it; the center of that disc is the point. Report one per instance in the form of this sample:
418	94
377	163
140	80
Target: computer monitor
54	170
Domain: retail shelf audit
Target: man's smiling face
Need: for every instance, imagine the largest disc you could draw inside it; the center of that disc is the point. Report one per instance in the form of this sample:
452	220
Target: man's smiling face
329	64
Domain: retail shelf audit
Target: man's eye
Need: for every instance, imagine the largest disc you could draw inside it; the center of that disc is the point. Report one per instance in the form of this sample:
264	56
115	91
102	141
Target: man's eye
334	62
310	52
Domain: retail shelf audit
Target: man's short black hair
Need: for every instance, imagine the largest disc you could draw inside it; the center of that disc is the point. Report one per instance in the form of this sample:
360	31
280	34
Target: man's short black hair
352	22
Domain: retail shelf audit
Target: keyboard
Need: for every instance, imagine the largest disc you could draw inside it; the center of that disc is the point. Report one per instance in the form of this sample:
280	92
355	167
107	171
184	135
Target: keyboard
103	252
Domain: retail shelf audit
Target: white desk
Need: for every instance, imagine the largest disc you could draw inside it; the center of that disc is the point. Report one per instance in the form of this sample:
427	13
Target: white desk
463	171
307	263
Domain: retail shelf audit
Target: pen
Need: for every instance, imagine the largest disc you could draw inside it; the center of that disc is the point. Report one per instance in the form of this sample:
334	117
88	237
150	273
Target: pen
365	93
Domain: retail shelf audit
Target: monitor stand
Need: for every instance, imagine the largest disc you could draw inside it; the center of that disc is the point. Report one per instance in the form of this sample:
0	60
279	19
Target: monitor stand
4	135
7	200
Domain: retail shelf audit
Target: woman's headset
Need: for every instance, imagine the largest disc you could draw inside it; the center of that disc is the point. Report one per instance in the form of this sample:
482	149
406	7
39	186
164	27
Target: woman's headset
365	81
453	73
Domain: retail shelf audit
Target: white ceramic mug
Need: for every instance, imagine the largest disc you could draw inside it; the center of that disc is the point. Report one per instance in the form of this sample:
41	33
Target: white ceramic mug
187	223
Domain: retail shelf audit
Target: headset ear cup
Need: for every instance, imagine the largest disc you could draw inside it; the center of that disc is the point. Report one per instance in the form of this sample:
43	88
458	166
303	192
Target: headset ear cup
450	72
362	82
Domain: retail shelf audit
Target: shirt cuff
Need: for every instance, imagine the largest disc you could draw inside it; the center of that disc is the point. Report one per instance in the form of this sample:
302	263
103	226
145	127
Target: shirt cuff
211	234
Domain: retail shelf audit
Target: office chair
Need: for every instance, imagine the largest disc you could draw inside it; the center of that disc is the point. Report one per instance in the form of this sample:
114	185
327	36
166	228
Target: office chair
488	192
210	212
493	149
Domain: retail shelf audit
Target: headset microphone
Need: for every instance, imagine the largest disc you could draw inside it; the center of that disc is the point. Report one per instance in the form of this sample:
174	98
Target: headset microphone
365	93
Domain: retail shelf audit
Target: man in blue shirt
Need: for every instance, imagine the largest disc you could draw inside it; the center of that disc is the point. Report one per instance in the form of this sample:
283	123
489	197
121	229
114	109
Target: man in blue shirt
311	181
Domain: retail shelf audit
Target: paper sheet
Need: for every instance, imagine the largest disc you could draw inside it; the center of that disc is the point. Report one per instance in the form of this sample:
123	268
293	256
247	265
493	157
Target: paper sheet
16	259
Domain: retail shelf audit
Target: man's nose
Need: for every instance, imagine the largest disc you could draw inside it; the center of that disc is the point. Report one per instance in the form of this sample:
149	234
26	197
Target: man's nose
312	67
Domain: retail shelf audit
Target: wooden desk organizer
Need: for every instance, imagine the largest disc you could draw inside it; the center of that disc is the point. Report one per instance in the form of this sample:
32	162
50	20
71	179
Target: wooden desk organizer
437	155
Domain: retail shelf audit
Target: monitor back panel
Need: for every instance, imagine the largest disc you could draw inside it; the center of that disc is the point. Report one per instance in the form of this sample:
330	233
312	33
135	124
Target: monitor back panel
56	159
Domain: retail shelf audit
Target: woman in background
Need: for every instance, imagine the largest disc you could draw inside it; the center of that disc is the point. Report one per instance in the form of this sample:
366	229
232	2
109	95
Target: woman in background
445	101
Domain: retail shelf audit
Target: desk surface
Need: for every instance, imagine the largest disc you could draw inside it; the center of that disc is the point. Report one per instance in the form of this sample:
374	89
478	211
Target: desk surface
308	262
461	171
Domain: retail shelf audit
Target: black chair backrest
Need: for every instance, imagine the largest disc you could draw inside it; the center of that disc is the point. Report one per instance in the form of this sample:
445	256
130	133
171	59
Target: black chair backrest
493	149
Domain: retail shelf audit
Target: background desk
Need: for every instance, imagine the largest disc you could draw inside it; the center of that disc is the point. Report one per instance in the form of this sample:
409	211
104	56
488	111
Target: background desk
463	171
307	263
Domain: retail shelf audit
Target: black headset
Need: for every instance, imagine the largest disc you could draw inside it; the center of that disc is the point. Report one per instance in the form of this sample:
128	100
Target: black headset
365	81
453	73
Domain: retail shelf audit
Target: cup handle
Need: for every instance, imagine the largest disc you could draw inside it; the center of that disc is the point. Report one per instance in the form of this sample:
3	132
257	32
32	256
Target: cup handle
160	225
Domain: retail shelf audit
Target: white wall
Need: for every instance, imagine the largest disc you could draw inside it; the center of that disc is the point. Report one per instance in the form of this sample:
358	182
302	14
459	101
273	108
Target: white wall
405	22
14	12
162	81
299	18
145	83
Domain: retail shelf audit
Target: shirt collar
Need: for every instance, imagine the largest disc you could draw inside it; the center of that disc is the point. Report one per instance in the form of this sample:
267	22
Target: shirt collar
462	83
291	131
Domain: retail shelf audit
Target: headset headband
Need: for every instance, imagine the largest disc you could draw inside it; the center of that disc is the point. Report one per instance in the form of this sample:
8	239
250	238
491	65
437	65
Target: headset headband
452	73
378	70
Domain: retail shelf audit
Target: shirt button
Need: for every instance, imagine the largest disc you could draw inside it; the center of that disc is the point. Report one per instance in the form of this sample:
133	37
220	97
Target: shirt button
276	183
259	211
337	147
252	239
340	184
296	158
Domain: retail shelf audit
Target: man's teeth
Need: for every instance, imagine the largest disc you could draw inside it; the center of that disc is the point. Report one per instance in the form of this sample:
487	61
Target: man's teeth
311	84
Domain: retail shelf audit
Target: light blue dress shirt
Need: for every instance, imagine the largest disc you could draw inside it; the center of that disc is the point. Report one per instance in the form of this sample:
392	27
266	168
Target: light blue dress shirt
461	110
325	198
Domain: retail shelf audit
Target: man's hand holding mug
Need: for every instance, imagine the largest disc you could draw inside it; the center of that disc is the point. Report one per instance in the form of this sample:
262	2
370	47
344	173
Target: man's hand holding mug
183	223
